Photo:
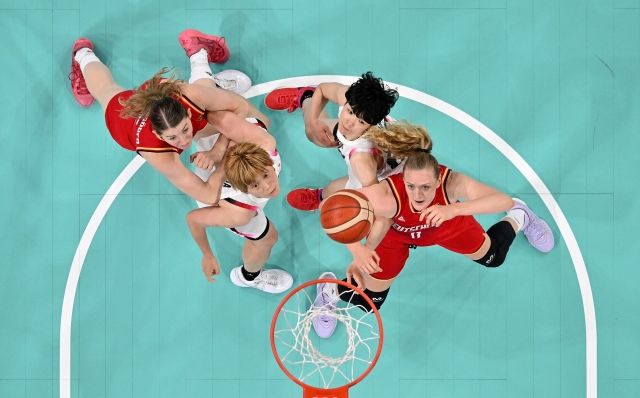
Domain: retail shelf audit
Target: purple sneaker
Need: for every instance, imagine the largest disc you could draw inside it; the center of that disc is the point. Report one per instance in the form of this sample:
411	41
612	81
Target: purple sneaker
535	229
326	299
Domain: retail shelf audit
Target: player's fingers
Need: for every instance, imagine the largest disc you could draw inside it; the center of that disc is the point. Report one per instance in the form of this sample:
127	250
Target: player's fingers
375	255
359	281
424	213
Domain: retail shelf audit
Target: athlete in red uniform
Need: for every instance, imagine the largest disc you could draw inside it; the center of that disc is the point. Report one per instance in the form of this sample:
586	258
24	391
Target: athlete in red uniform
420	207
161	119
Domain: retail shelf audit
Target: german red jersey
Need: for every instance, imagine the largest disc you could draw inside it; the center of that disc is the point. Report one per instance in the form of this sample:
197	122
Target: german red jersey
409	228
135	134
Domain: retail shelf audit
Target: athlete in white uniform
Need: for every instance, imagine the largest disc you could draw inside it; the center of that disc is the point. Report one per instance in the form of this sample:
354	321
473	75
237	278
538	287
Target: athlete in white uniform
363	145
362	105
258	227
248	178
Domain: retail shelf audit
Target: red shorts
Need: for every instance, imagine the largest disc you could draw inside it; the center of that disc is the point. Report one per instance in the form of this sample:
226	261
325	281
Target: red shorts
467	238
118	127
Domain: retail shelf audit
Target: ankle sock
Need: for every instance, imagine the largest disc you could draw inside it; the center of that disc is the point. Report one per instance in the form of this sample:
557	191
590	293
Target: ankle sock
84	56
306	94
200	68
249	276
517	215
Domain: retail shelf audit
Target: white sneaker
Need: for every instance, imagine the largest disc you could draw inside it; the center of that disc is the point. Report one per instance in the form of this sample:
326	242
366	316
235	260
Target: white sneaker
232	80
270	280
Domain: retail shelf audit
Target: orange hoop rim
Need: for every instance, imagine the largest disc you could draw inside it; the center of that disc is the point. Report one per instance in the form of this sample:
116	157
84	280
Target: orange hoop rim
275	351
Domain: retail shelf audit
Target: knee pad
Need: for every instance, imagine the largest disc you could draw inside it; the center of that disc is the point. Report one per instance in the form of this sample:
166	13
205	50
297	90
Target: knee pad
502	236
348	295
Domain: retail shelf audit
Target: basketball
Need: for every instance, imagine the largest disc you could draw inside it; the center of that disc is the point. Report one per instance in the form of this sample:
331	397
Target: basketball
346	216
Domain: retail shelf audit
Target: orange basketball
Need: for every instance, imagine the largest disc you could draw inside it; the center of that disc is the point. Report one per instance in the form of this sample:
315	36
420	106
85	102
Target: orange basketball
346	216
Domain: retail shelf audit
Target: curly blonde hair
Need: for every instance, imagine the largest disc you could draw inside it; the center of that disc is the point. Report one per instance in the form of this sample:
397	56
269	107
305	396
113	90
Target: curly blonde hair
404	140
158	100
244	163
399	139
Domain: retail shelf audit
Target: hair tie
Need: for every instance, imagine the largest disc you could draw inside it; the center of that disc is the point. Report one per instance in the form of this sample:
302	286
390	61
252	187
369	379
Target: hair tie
424	150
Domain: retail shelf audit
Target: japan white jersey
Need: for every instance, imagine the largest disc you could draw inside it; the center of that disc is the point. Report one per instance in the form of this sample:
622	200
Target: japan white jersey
348	148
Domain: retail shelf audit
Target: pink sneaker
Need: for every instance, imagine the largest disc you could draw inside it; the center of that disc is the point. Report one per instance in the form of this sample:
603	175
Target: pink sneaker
78	84
193	41
304	199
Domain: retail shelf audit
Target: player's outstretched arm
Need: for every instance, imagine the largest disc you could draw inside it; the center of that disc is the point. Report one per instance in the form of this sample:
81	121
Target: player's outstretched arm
478	198
214	99
198	220
239	130
364	167
170	166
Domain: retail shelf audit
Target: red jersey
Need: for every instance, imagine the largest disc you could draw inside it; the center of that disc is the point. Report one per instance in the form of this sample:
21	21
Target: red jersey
407	224
135	134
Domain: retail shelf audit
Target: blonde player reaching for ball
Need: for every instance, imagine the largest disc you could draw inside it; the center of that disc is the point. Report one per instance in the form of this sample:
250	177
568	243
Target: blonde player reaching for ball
422	207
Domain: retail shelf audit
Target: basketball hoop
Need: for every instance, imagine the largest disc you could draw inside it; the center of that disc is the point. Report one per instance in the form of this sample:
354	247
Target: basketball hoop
297	349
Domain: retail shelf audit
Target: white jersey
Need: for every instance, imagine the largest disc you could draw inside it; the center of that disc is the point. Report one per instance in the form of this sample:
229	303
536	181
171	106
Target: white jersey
348	148
258	226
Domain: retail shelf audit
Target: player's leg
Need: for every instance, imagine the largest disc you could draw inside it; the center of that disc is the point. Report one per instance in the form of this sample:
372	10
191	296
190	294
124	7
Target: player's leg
393	253
203	49
255	253
90	78
500	236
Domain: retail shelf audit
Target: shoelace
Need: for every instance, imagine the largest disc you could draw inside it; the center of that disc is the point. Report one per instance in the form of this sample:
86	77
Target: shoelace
78	80
535	230
225	84
310	197
218	49
294	104
269	279
326	303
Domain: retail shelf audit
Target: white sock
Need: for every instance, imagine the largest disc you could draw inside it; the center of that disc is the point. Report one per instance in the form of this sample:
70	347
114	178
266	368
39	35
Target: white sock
200	68
518	216
84	56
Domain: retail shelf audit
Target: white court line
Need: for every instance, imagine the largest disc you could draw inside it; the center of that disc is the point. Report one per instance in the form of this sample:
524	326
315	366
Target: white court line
409	93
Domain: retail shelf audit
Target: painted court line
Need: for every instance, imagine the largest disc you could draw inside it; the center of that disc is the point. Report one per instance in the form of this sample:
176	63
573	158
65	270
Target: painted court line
405	92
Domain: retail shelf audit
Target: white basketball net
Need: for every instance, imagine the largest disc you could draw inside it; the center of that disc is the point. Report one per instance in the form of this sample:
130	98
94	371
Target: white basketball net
304	360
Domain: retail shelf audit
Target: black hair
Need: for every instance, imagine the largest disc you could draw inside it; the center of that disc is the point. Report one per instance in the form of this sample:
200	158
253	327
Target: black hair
370	99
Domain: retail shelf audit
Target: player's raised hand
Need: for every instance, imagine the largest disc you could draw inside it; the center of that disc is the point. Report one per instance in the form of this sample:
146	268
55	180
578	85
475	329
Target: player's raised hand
322	132
354	273
206	160
365	258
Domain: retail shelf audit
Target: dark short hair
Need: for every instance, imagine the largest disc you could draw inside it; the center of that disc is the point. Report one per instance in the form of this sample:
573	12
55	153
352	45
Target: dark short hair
370	99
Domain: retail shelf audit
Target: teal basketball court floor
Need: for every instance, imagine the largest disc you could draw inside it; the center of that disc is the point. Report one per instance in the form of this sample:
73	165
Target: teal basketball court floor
556	81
